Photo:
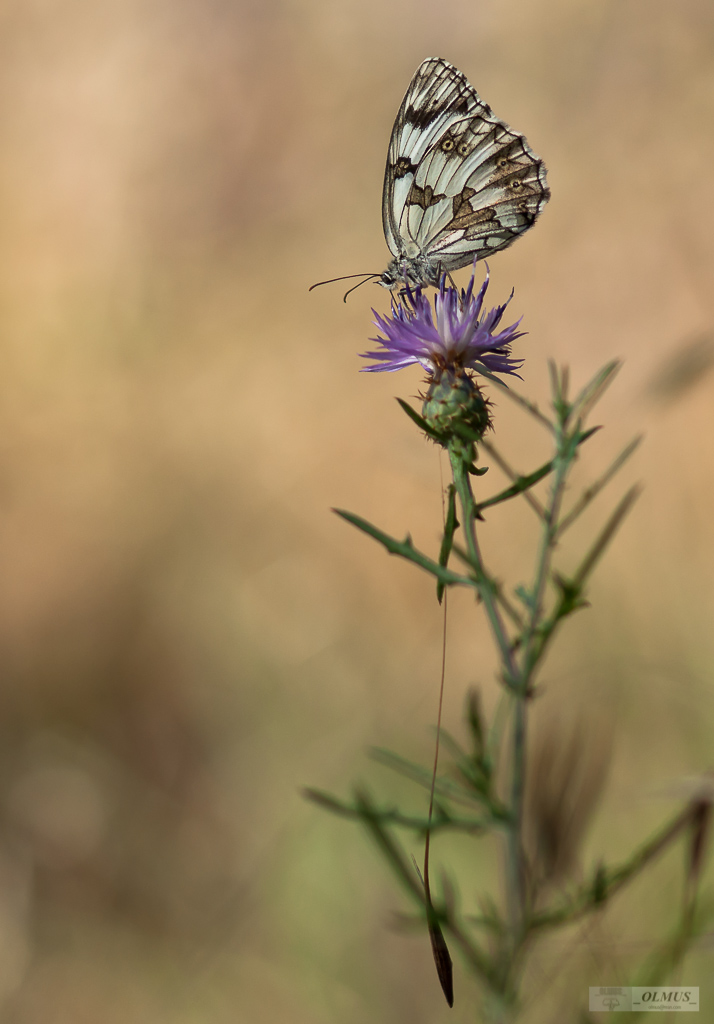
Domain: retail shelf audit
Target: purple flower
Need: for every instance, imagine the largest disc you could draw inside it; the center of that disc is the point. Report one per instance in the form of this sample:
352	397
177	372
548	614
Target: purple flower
455	336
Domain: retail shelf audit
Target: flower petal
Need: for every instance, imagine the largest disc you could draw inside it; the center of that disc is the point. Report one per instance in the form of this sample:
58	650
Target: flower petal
455	335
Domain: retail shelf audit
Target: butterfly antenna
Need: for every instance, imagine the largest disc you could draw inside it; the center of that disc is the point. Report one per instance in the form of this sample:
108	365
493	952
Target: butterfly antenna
346	277
370	277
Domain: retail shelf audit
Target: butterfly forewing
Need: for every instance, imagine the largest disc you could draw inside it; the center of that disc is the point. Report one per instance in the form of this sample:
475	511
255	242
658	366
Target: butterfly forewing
436	97
459	183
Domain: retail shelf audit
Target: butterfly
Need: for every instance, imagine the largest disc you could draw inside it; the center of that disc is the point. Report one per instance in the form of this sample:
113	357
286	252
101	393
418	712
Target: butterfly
459	183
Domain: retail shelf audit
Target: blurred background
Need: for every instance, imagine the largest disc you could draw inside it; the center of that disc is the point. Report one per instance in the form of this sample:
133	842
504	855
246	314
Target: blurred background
187	634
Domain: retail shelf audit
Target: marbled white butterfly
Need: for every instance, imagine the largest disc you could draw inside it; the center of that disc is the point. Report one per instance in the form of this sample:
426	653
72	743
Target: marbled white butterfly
459	183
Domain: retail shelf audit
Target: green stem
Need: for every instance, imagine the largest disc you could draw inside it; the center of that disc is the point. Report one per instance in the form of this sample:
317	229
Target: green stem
512	676
517	676
561	464
487	589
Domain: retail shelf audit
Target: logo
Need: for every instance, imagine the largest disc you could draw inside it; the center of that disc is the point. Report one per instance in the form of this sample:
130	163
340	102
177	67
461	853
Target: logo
644	999
605	1000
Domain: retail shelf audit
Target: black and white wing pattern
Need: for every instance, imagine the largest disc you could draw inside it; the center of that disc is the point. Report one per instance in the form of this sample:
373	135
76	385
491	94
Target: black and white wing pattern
459	183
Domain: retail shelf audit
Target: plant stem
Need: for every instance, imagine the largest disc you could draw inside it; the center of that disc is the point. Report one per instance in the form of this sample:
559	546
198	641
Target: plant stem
512	676
517	876
518	674
487	589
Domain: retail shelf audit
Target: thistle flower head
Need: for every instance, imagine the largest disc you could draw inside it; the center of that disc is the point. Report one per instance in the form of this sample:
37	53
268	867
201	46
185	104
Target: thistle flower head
453	402
456	335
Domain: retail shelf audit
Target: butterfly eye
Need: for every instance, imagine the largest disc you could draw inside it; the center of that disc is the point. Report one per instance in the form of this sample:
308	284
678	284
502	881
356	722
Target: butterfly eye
447	145
516	184
464	149
503	162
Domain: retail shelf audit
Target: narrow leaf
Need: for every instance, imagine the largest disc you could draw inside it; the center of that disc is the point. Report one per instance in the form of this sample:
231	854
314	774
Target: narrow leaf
405	548
421	423
606	535
447	788
388	846
594	389
585	435
558	387
594	489
524	403
520	486
450	526
329	803
525	595
475	720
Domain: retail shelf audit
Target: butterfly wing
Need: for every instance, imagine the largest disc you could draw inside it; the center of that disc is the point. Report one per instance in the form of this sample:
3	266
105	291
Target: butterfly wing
459	183
438	96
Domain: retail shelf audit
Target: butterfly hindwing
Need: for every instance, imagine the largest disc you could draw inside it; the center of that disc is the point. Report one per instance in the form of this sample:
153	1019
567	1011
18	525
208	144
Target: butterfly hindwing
459	183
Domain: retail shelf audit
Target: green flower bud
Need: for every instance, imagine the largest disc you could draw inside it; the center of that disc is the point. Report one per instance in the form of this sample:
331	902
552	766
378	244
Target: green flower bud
455	408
